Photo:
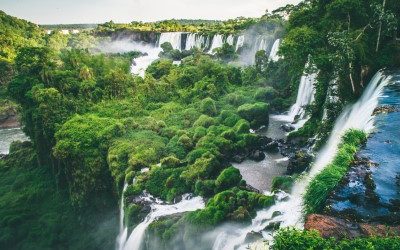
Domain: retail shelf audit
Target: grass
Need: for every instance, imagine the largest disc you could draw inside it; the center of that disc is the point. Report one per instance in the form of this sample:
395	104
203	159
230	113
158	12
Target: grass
326	181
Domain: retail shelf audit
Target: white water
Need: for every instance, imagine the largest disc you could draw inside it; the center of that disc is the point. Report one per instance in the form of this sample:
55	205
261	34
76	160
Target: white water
305	96
357	116
273	55
174	38
187	204
123	231
240	42
7	136
217	42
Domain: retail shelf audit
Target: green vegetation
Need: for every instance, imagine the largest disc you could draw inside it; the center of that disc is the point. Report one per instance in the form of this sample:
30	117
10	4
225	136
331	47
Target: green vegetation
326	181
36	214
292	239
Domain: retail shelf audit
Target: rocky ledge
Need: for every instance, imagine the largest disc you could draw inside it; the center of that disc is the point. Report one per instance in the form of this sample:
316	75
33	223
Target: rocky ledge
9	122
338	228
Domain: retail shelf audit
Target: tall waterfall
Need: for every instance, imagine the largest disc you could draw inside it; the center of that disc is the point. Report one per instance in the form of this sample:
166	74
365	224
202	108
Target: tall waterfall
187	204
358	116
273	55
240	42
123	230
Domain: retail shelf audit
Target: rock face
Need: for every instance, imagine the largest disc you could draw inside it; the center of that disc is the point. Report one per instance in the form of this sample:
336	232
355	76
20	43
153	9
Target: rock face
338	228
8	117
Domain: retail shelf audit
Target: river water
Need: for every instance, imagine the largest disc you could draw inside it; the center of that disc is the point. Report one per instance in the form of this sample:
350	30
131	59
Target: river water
7	136
371	191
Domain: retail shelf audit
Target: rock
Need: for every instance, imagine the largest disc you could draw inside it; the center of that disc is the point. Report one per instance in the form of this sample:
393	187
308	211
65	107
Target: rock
299	162
276	214
257	156
329	227
273	226
272	147
9	122
253	236
338	228
287	127
238	158
384	109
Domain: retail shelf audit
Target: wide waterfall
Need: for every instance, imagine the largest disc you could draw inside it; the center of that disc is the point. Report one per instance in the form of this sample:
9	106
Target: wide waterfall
136	238
357	116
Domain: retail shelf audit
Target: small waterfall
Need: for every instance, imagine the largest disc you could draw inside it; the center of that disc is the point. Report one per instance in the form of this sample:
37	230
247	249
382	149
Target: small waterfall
175	38
217	42
7	136
357	116
140	64
240	42
305	96
123	230
273	55
230	40
187	204
191	41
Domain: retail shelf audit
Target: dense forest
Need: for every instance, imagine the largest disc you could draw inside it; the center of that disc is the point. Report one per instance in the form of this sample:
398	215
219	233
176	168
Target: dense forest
98	132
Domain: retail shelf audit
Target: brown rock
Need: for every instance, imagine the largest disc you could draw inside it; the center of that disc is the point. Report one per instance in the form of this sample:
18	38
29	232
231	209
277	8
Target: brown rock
329	226
338	228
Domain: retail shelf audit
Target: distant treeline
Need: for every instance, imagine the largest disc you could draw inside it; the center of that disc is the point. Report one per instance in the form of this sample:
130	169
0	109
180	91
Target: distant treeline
78	26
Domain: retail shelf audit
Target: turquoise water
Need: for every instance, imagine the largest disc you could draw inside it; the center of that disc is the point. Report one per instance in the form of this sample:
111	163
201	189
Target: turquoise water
372	193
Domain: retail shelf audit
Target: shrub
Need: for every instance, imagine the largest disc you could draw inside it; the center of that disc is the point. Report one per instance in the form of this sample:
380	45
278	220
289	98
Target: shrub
204	121
208	107
256	114
170	162
229	177
284	183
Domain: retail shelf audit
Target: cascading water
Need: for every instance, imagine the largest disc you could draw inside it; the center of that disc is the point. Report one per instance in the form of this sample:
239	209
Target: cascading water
123	231
357	116
174	38
217	42
305	96
7	136
240	42
187	204
273	55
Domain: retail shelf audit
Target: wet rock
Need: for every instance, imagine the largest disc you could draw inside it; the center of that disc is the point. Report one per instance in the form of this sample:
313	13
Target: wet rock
272	147
253	236
273	226
263	140
276	214
287	127
384	109
299	162
238	158
257	156
379	230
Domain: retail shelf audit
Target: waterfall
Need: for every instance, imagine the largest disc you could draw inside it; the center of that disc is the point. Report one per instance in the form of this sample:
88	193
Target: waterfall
7	136
305	96
187	204
175	38
357	116
123	231
140	64
217	42
191	41
240	42
230	40
273	55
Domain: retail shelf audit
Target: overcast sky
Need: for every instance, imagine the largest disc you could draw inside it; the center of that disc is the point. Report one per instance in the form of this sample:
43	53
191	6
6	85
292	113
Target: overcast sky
99	11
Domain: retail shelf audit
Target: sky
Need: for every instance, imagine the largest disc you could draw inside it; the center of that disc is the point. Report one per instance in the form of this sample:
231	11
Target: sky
123	11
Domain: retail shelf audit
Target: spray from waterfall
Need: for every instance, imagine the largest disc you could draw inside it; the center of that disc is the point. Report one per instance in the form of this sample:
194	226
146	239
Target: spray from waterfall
357	116
188	203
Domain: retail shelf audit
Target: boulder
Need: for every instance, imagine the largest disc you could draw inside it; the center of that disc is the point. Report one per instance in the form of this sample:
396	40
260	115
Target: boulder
257	155
272	147
287	127
253	236
299	162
